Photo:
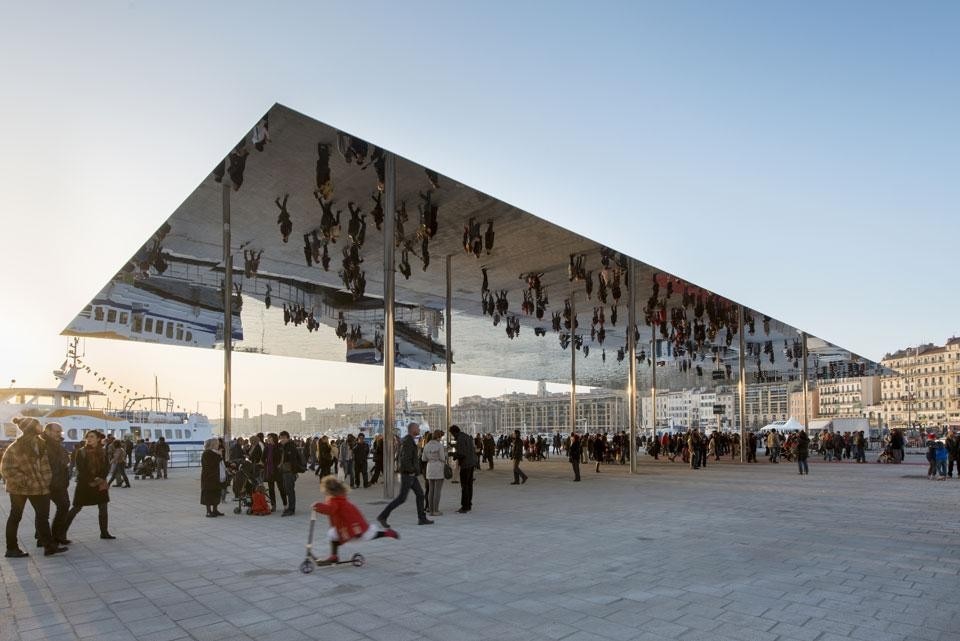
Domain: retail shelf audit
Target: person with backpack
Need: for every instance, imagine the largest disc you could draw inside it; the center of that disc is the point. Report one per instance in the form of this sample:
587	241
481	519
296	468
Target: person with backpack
291	464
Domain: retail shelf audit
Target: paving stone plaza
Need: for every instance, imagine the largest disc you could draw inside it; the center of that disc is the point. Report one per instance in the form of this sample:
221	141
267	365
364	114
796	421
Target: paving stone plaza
738	552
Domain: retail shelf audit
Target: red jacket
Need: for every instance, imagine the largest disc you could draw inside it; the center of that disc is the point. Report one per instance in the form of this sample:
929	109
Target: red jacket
344	517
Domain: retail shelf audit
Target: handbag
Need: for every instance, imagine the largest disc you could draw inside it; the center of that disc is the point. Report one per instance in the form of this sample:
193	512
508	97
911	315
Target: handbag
447	471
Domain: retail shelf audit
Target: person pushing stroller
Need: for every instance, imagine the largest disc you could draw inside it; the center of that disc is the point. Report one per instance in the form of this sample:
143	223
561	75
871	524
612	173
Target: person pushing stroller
346	521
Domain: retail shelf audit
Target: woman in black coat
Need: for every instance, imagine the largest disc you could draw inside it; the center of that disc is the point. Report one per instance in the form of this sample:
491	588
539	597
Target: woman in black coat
210	462
92	488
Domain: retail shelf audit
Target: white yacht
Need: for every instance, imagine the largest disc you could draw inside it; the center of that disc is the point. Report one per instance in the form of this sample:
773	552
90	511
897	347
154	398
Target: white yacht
76	409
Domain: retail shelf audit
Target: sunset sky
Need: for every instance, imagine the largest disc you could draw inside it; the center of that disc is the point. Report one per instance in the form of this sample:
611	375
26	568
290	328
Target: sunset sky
802	159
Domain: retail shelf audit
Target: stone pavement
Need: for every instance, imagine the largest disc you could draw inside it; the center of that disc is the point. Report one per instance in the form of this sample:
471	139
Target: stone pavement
745	553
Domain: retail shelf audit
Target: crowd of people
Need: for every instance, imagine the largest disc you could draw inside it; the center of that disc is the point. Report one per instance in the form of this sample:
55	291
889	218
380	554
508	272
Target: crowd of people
263	468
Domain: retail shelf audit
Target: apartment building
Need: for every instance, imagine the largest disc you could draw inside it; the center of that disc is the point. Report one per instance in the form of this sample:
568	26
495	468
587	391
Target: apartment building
813	404
925	390
848	397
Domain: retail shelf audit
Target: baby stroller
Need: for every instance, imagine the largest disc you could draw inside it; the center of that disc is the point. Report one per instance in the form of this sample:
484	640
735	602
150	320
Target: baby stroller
146	469
245	481
886	456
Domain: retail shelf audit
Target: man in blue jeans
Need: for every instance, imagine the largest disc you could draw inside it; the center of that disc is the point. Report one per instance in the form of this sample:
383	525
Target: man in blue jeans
409	464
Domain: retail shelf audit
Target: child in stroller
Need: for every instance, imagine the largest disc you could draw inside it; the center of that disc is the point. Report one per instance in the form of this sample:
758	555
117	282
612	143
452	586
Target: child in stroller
246	483
146	469
886	456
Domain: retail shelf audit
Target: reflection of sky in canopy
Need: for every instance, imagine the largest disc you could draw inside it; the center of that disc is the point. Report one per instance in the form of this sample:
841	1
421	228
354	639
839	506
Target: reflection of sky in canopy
695	330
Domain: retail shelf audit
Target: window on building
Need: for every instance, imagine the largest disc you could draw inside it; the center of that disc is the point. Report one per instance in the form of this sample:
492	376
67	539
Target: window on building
98	313
158	328
137	325
169	330
148	325
124	318
112	316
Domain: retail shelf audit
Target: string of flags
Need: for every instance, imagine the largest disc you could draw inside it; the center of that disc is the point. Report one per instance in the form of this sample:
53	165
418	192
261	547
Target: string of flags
112	386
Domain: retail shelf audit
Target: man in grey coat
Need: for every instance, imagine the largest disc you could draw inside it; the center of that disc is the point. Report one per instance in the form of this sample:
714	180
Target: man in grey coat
409	466
466	456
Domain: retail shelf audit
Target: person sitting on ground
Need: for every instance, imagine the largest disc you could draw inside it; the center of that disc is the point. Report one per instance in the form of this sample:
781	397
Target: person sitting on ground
346	521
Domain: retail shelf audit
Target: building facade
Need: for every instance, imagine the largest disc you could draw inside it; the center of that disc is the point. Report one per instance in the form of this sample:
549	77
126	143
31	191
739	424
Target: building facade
848	397
925	390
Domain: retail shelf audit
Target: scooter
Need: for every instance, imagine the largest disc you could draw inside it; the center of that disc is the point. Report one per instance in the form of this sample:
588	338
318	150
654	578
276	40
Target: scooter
311	561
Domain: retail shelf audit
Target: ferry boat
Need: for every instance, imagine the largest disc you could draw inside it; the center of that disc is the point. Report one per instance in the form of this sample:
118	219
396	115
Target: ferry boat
76	410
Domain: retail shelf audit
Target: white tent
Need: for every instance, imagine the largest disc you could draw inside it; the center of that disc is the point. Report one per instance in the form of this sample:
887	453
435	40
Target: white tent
790	425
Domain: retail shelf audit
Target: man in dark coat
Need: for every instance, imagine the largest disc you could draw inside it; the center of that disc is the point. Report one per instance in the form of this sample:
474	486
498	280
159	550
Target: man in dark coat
517	455
59	479
573	453
466	455
361	452
162	456
289	467
377	458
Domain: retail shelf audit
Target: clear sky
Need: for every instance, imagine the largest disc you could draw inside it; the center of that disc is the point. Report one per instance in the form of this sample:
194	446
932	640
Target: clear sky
802	158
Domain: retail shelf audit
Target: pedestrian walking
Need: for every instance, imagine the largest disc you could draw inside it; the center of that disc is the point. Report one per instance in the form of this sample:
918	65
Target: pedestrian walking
409	467
517	455
91	486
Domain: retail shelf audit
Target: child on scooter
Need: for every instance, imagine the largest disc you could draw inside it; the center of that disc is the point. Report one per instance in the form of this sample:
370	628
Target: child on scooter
346	521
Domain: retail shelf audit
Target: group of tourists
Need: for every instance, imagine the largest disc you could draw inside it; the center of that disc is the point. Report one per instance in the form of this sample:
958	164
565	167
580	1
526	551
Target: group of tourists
942	455
37	469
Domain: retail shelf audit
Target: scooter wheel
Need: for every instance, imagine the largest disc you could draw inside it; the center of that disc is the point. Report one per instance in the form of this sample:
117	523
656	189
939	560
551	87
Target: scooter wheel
307	566
236	510
358	560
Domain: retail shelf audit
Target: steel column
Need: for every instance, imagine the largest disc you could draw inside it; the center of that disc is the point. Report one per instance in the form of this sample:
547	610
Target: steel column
653	381
227	316
573	364
632	356
389	340
448	324
803	379
742	384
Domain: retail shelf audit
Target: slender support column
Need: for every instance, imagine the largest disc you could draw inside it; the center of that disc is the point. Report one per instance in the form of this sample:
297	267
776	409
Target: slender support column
632	357
227	316
448	325
573	364
742	384
803	379
389	340
653	377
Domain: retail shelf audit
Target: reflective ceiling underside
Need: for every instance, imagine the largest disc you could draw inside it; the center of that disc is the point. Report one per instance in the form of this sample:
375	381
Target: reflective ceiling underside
319	294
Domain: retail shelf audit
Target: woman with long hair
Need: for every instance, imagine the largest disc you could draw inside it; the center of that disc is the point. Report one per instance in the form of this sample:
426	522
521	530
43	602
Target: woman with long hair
92	488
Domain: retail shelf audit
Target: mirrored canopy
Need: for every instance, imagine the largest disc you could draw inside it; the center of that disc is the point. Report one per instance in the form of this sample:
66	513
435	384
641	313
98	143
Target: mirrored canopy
307	207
